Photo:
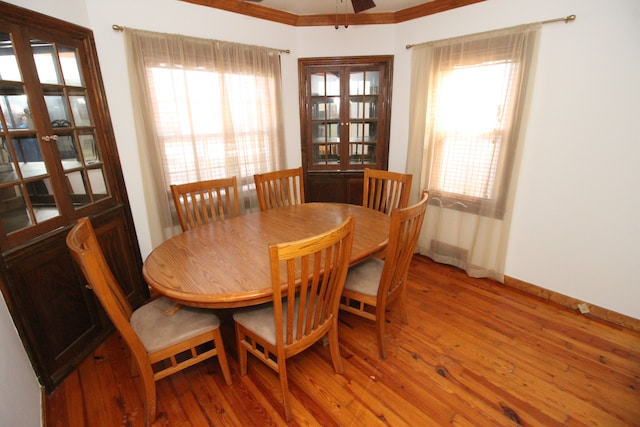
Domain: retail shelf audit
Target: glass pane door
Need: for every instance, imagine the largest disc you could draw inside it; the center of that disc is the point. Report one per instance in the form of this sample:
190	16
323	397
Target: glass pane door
364	88
26	193
66	99
325	118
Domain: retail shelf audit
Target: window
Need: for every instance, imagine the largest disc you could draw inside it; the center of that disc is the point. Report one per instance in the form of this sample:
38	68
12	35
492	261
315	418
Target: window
473	105
469	121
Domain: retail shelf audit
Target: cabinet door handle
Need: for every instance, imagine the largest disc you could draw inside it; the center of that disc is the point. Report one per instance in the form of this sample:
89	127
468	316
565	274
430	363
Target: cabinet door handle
50	138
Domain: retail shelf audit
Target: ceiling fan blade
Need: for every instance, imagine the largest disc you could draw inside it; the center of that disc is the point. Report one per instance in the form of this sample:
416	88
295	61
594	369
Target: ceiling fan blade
360	5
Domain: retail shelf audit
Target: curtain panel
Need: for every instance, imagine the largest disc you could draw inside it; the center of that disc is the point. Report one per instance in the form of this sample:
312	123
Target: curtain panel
204	109
465	143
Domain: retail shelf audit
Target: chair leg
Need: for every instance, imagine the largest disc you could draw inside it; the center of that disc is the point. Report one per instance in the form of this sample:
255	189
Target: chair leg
149	385
242	352
222	356
380	319
404	318
133	367
144	371
334	347
284	386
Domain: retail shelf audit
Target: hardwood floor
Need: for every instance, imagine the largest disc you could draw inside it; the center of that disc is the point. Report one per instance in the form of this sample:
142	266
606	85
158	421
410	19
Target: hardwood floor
475	353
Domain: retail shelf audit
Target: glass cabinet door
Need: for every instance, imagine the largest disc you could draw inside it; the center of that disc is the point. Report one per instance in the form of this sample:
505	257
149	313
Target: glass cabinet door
66	99
50	160
364	89
25	183
325	118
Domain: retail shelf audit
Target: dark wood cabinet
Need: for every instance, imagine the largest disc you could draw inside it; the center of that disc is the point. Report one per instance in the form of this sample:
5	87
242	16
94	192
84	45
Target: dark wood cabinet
345	111
58	162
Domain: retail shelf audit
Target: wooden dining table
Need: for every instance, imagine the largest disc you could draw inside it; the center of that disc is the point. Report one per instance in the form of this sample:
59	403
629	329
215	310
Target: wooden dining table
226	264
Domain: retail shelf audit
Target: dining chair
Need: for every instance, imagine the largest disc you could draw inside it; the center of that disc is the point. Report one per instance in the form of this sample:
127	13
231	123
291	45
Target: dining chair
307	277
202	202
385	191
279	188
163	336
375	283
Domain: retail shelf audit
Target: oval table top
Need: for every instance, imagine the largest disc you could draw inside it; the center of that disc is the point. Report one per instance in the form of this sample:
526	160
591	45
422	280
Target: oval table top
226	264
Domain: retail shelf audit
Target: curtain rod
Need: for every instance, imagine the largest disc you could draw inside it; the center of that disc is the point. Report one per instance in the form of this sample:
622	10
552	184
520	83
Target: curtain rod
566	20
117	27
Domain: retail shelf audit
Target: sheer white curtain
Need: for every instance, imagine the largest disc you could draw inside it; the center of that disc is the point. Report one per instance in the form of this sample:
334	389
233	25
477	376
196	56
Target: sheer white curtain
467	100
204	109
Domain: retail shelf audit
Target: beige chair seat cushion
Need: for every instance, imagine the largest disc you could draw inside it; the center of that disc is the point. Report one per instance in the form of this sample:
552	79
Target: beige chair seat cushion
364	278
159	325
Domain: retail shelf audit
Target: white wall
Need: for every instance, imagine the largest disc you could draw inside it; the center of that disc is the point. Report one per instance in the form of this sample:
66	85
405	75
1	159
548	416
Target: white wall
19	388
575	228
576	225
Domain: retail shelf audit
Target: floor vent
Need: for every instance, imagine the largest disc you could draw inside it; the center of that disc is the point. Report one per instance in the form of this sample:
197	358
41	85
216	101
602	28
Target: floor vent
449	251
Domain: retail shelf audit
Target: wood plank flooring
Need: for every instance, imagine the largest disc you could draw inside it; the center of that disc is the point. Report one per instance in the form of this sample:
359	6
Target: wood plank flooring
475	353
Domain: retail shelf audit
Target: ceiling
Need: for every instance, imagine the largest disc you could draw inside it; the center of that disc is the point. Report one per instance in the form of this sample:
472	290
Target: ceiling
322	7
323	12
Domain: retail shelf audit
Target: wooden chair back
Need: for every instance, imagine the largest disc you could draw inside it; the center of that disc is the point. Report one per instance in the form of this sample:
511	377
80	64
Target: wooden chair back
202	202
314	271
385	191
280	188
87	253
